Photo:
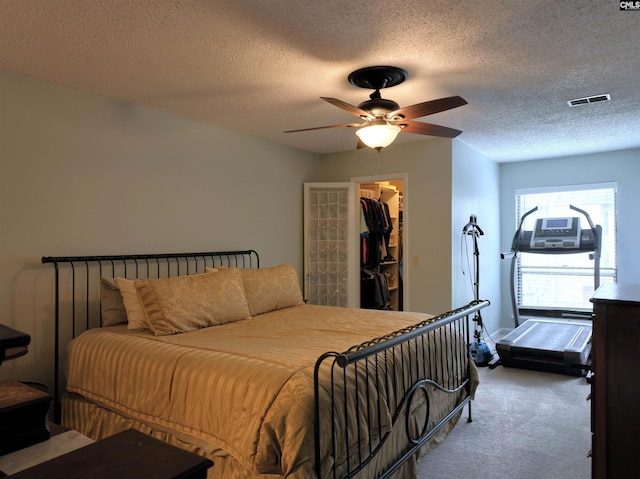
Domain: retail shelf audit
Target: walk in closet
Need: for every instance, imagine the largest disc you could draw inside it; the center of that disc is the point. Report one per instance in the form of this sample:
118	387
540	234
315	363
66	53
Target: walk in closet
351	259
381	246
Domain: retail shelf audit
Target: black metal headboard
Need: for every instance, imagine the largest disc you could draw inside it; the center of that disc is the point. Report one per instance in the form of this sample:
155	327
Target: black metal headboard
77	288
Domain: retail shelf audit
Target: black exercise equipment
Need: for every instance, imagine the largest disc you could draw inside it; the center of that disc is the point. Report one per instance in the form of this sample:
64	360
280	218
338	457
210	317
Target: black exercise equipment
551	344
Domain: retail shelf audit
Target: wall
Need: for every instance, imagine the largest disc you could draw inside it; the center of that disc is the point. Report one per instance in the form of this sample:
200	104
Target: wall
83	174
616	166
475	190
433	180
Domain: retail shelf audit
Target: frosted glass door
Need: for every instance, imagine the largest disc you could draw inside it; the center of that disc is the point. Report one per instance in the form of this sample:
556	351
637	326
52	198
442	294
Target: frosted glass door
331	272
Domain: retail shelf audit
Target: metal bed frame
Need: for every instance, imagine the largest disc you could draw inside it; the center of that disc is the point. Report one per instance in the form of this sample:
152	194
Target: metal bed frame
77	309
369	363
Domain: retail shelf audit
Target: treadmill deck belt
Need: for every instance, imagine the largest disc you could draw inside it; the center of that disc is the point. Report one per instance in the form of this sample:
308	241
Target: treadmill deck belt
554	345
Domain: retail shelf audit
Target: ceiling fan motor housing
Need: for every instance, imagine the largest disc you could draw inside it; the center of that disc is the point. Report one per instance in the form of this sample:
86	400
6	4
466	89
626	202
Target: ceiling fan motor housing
379	107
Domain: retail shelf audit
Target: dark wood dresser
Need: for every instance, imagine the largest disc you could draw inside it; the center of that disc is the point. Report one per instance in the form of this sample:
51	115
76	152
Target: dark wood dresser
615	394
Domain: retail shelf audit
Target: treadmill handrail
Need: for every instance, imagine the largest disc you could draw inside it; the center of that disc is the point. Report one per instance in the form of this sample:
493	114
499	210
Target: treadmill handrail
518	233
586	215
516	236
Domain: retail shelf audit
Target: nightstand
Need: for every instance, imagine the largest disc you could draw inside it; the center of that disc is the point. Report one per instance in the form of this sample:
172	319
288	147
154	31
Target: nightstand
13	344
23	416
126	455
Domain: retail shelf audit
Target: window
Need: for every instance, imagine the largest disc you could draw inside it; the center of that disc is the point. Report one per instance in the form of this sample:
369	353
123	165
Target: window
565	281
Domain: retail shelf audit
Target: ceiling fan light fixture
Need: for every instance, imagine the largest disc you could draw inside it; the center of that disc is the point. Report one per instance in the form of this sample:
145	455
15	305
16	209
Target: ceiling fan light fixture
378	134
384	118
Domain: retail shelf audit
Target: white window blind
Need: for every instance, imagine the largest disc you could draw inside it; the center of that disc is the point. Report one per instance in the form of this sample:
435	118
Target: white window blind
565	281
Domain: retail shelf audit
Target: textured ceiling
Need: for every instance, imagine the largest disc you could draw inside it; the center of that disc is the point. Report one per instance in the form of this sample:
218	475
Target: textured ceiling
260	66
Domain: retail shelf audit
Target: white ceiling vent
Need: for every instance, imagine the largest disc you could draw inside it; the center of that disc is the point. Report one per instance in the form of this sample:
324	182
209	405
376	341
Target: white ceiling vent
589	99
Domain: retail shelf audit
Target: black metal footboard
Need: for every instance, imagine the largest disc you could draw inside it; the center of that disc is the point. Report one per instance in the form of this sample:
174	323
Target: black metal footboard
77	289
368	393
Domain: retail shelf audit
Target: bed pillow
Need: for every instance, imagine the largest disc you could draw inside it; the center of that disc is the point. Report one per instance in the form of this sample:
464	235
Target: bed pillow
269	289
136	317
111	304
186	303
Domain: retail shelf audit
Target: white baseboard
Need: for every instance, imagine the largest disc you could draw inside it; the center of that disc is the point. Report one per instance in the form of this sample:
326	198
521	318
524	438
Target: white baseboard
500	333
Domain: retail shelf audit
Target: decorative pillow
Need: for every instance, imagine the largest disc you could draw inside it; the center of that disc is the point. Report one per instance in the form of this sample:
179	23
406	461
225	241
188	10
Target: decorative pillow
185	303
268	289
111	304
136	317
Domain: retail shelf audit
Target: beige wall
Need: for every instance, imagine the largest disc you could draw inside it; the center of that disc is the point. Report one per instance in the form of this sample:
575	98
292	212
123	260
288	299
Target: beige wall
82	174
428	165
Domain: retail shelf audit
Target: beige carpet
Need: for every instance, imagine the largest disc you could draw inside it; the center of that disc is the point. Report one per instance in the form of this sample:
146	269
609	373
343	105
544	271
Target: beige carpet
526	425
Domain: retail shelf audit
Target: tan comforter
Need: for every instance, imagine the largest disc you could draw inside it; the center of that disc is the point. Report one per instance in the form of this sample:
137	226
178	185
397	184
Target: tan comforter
243	389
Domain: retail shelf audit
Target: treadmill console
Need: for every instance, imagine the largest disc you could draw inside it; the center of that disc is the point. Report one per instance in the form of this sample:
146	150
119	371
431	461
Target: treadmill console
556	233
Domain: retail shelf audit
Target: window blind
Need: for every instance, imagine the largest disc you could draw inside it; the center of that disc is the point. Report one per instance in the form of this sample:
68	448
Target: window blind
565	281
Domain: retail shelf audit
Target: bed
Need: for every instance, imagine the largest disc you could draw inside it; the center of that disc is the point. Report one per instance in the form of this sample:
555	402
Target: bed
212	353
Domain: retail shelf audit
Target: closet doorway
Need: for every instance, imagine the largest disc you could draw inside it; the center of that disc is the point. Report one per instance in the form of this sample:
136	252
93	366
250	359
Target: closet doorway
332	241
383	245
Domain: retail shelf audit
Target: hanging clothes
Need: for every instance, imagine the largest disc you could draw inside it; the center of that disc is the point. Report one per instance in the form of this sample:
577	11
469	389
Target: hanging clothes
387	232
374	244
379	226
374	290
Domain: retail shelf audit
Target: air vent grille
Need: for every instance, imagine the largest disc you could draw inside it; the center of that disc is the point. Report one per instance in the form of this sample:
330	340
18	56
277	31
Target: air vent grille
589	99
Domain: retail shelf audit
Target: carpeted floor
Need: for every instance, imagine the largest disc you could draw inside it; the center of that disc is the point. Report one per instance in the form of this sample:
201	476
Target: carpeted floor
526	425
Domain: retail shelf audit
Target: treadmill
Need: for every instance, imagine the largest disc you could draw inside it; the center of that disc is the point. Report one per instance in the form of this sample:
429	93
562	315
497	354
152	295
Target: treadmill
560	345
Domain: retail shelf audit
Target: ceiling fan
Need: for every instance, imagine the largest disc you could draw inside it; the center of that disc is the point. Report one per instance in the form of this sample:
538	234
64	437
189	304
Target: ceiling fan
384	119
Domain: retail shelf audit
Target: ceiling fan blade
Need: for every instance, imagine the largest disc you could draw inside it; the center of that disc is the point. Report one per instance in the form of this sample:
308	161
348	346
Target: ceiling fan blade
428	129
347	125
354	110
427	108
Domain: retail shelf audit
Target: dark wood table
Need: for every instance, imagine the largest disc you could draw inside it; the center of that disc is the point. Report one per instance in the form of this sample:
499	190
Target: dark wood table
23	416
13	344
126	455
